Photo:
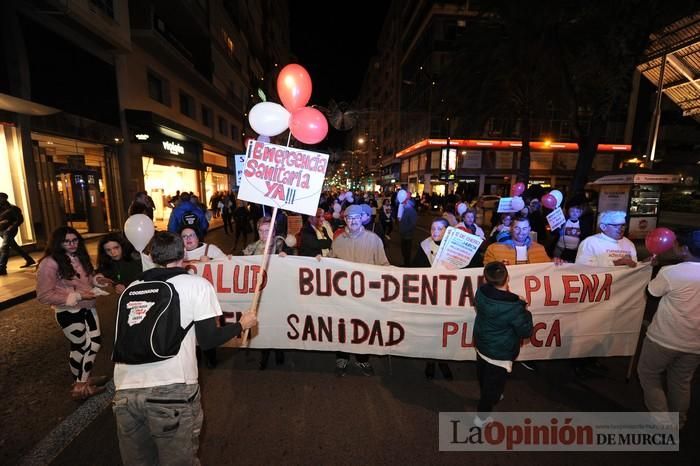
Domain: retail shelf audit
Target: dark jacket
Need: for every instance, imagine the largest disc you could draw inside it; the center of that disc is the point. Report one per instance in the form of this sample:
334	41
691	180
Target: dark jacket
311	246
10	218
502	320
123	271
407	224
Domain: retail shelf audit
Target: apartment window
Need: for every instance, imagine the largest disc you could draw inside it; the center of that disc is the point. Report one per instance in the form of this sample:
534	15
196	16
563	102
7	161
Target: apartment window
223	126
187	104
158	89
235	133
206	116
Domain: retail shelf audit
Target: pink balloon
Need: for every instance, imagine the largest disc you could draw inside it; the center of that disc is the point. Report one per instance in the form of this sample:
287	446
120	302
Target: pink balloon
294	87
549	201
517	189
660	240
308	125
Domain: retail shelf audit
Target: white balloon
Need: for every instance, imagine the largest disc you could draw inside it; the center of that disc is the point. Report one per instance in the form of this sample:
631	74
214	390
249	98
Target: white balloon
461	208
336	215
400	212
349	198
337	207
268	118
341	197
558	195
517	203
401	196
139	230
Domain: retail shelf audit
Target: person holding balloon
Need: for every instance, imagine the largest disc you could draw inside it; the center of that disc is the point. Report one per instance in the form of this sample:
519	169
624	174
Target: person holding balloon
66	281
671	350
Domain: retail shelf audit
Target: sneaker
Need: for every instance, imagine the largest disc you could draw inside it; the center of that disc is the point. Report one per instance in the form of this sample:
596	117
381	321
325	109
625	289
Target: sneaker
481	423
502	397
529	366
366	368
387	236
28	264
341	367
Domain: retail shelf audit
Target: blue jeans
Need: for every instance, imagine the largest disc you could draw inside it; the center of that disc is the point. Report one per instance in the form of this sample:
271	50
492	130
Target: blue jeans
159	425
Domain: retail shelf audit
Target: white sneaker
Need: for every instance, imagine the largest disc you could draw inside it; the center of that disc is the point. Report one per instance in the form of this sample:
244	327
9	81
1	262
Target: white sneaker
481	423
387	236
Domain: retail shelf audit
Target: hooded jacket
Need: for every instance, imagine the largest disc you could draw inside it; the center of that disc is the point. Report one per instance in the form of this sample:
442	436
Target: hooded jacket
502	320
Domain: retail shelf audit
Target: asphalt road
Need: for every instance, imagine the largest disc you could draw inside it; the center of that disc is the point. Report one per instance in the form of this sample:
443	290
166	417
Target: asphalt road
297	413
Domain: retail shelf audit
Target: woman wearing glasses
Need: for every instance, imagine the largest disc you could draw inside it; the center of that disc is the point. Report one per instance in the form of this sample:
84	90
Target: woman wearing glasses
65	280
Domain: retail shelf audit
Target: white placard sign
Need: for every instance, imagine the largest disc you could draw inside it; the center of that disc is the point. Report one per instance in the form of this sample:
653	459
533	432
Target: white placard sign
505	204
239	160
283	177
556	218
456	249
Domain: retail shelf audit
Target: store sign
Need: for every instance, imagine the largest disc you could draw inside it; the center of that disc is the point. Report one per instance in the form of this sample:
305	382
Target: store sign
239	160
173	147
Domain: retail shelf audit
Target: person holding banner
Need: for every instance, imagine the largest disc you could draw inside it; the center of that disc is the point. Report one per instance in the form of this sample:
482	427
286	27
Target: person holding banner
424	258
356	244
672	342
520	249
157	405
316	236
257	248
608	248
502	321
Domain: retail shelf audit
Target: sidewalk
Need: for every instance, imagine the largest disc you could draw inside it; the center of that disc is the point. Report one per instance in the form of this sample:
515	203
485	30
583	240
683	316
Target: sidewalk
19	285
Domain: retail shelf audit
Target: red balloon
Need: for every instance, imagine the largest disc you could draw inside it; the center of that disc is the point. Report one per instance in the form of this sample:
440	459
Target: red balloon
660	240
294	87
308	125
517	189
549	201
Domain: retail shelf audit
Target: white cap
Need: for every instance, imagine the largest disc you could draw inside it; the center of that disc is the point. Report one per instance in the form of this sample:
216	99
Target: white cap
612	217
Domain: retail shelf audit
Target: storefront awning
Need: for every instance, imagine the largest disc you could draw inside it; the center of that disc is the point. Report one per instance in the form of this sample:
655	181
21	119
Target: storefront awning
638	178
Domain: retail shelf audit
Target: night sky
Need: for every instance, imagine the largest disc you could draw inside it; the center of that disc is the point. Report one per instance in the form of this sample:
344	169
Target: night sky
334	41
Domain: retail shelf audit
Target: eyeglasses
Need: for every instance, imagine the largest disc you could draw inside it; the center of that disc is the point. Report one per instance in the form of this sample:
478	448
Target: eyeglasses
190	236
71	241
353	218
615	225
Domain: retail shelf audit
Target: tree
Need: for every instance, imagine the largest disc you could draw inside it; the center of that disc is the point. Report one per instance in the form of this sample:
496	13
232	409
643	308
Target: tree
598	46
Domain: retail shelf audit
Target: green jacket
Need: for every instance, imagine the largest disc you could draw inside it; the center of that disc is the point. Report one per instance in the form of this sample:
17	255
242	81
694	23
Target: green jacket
502	320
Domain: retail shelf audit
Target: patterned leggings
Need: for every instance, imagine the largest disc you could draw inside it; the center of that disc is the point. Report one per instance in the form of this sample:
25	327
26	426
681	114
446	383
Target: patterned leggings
82	328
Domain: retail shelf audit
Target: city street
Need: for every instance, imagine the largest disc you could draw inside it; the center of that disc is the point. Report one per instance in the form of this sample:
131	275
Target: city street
298	412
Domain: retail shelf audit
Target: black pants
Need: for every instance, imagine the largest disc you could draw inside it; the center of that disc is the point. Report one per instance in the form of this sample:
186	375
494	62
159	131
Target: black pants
358	357
492	381
388	227
406	250
227	223
8	241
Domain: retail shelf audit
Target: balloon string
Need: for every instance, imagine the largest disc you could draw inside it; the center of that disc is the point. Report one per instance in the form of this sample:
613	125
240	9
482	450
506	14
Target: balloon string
289	138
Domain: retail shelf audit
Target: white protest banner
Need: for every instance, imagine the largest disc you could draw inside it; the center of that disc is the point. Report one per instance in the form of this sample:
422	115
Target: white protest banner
456	249
556	218
334	305
505	204
283	177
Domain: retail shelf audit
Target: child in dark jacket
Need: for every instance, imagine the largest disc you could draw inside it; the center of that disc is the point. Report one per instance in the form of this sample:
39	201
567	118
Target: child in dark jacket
502	320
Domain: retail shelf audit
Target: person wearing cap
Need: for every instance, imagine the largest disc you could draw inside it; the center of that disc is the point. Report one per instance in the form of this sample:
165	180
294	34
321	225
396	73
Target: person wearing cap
609	248
356	244
672	342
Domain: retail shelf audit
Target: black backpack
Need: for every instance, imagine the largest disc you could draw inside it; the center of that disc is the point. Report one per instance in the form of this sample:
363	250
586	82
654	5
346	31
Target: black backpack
148	319
190	219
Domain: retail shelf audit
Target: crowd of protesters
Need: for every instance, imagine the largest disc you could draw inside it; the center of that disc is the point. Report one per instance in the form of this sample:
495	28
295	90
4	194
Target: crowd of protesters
357	227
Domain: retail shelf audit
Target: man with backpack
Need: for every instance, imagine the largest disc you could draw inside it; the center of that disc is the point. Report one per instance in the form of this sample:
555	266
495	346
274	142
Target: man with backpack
187	213
160	320
10	219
